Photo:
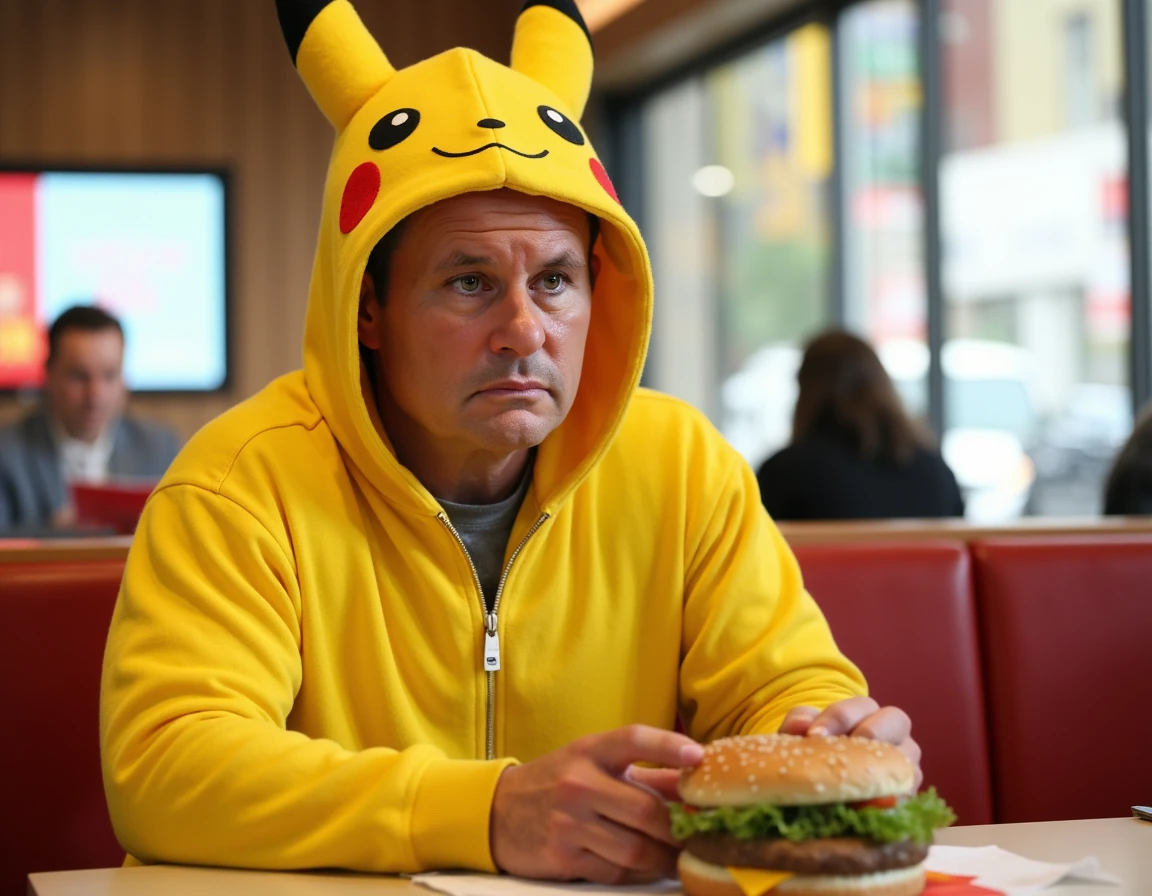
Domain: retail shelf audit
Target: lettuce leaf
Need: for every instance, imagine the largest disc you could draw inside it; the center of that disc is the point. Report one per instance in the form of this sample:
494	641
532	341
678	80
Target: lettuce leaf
914	819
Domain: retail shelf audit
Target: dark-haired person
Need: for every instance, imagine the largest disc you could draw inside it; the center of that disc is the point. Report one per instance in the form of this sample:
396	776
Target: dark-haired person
79	433
855	453
1129	488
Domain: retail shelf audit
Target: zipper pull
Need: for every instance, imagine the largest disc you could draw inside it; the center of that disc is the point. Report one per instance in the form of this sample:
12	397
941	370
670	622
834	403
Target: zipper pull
491	644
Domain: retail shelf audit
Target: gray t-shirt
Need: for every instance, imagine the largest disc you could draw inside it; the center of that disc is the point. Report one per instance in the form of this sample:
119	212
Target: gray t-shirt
485	529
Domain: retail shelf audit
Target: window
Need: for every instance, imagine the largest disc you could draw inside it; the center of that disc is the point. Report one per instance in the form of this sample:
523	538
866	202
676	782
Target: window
778	203
738	225
1035	263
682	360
884	290
1079	71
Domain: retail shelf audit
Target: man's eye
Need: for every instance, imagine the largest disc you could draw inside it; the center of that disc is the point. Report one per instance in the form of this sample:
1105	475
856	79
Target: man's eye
469	283
552	281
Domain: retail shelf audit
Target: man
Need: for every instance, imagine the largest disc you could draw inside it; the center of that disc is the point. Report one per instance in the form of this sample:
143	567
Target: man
79	435
429	602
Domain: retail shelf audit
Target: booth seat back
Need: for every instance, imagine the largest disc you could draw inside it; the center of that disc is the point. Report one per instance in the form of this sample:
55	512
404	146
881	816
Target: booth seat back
56	618
1066	626
905	614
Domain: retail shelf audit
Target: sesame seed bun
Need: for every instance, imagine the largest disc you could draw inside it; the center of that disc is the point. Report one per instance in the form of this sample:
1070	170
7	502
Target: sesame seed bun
700	878
788	770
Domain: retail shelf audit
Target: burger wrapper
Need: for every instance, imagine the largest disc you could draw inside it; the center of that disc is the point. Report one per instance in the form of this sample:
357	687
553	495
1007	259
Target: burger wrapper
990	869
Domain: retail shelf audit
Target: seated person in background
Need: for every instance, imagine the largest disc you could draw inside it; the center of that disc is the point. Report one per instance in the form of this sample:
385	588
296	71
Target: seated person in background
79	434
1129	488
426	602
855	453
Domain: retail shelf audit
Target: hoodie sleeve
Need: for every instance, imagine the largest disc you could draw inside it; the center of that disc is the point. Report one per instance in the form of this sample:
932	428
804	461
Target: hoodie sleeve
754	642
200	673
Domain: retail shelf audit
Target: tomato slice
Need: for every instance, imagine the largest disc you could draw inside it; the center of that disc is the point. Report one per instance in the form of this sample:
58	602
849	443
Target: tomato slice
881	802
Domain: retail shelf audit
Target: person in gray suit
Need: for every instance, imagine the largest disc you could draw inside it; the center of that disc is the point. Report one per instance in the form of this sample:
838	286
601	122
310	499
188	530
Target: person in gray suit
80	433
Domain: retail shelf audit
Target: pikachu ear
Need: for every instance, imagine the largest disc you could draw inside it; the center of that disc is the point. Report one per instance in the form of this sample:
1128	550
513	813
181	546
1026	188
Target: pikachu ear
552	46
340	62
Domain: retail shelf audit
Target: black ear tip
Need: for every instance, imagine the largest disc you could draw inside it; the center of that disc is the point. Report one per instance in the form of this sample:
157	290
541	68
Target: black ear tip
295	17
568	7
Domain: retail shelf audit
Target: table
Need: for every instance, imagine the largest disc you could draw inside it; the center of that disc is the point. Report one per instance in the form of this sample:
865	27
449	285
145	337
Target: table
1123	845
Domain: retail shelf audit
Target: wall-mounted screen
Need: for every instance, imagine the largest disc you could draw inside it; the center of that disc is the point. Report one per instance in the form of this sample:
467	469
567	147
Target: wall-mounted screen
149	247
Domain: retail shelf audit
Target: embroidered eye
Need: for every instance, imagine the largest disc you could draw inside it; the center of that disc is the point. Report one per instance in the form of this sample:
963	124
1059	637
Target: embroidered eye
561	124
393	128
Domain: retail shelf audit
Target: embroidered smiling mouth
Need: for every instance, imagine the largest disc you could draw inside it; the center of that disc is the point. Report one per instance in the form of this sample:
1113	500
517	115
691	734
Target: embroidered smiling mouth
472	152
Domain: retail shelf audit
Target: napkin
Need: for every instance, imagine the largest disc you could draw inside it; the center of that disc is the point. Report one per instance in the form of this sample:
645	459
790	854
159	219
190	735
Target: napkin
996	870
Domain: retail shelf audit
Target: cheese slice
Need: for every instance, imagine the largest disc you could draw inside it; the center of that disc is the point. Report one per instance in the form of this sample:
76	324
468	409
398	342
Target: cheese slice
757	881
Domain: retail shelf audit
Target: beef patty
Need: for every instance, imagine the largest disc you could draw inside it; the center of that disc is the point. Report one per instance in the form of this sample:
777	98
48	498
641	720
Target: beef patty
830	855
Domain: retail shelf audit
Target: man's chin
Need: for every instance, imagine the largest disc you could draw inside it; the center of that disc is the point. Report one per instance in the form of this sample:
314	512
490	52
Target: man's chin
86	432
519	429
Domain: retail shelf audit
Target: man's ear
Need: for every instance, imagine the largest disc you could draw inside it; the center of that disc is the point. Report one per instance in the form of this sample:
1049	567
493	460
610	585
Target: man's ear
368	315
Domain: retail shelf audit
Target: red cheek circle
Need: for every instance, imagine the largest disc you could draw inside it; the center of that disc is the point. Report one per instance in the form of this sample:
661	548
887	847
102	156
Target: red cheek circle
601	176
359	193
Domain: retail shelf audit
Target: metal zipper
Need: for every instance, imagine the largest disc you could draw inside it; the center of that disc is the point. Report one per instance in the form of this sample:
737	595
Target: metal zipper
491	657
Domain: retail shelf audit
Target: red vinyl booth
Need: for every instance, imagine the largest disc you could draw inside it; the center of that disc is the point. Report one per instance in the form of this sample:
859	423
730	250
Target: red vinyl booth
905	614
56	618
1066	625
1007	653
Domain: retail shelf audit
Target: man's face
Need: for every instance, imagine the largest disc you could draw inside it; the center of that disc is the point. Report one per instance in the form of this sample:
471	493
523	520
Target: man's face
480	339
84	384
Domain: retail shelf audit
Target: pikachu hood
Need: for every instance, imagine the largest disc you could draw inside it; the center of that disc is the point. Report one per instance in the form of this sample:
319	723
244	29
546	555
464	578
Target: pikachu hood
452	124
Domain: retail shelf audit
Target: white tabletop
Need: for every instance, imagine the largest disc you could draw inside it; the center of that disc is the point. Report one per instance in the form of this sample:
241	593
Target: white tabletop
1123	846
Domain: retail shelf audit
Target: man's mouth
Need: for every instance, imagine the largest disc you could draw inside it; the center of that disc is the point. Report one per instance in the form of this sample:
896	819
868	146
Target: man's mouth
514	387
472	152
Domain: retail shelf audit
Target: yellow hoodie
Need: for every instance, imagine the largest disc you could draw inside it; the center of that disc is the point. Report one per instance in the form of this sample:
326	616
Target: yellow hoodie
295	674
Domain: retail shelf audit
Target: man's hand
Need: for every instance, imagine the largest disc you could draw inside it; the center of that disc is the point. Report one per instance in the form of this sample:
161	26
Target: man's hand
860	716
574	813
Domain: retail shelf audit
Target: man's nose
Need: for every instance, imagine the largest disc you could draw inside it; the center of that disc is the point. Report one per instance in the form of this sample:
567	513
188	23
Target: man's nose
521	329
96	394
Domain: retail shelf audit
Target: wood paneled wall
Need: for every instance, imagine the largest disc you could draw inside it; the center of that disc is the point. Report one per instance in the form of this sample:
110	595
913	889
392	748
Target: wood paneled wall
208	82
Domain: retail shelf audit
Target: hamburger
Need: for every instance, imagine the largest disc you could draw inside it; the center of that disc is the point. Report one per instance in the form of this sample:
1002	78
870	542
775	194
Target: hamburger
804	816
